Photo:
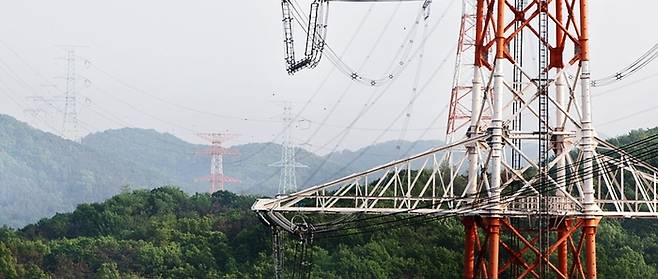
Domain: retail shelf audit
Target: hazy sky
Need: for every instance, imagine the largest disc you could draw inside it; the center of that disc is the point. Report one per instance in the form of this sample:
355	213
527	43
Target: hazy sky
202	66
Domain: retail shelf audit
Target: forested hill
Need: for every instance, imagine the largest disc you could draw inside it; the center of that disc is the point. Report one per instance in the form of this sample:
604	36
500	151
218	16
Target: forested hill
183	164
41	173
166	233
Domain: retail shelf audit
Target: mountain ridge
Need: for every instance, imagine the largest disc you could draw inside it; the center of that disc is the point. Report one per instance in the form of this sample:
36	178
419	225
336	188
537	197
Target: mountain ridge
43	174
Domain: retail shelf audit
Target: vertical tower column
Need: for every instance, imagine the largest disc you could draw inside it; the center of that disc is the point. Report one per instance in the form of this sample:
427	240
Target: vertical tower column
589	231
493	231
476	105
470	235
562	249
588	147
497	119
476	100
470	227
561	94
587	142
493	223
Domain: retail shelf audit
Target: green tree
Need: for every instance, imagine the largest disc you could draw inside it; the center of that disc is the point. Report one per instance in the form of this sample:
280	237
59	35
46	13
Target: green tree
108	271
8	264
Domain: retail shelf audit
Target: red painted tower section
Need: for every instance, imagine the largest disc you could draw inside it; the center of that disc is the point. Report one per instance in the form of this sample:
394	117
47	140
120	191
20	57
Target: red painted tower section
216	152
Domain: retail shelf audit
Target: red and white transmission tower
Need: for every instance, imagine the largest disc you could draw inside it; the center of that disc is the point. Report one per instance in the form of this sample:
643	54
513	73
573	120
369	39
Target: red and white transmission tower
217	151
560	192
459	112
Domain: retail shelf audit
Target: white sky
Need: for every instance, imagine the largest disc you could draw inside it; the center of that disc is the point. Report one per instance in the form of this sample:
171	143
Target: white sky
226	57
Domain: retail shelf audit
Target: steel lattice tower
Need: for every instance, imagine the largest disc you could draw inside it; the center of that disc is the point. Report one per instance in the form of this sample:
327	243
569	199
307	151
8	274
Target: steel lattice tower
459	111
217	151
70	117
560	192
288	162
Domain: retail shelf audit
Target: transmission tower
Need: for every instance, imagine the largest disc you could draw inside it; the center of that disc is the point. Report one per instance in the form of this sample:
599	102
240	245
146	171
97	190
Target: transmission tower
550	201
70	114
288	162
217	151
459	112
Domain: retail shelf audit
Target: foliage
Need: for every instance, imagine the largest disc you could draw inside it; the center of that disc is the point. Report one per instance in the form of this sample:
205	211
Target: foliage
166	233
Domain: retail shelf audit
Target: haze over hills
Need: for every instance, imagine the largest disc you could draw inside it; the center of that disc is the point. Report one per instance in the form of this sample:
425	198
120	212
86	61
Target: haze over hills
42	174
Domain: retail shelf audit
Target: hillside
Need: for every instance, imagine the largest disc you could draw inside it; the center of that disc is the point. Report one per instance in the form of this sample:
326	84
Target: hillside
180	160
42	174
165	233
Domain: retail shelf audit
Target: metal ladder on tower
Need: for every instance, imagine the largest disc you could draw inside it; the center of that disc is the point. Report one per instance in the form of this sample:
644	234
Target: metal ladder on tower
544	138
517	106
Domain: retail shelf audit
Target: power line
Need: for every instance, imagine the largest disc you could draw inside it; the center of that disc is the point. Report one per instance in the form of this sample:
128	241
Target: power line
612	90
174	104
141	110
629	70
327	158
345	132
318	89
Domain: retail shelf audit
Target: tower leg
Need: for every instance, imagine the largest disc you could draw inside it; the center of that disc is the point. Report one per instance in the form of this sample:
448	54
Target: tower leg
493	235
562	250
589	230
470	229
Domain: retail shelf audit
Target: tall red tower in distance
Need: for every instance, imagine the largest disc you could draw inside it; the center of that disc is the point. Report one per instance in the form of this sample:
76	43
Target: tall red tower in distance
216	151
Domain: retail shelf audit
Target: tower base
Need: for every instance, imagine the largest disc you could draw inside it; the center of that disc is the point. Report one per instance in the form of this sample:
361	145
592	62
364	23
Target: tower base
495	247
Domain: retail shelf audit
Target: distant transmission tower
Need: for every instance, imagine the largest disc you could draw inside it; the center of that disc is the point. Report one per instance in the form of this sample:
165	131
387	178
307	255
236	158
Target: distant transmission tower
70	117
216	151
288	163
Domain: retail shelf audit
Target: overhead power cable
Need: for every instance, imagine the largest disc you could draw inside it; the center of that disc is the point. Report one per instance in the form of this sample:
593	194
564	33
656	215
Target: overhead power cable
414	89
317	91
349	86
174	104
401	114
141	110
384	131
629	70
401	62
615	89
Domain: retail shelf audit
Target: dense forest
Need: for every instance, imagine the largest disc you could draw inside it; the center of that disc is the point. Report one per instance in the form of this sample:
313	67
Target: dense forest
166	233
